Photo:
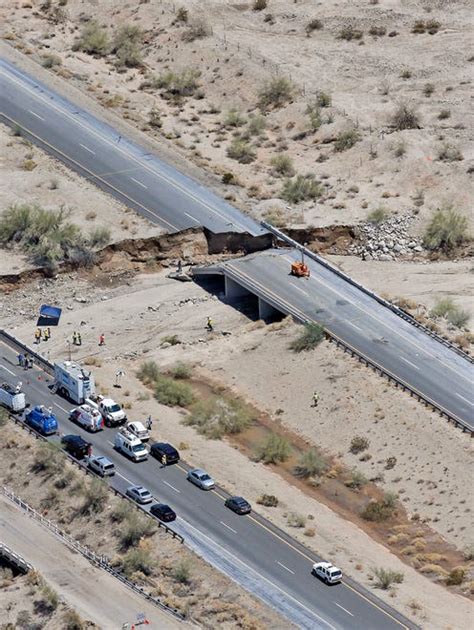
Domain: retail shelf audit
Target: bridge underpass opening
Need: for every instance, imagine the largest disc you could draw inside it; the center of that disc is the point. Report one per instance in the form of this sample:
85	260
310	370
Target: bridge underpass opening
236	293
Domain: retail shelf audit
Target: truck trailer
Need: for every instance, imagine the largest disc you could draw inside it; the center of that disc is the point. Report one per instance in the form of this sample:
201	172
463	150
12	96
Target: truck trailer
73	382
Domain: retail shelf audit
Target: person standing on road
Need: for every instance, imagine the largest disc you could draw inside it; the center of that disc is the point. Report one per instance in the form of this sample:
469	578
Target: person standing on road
149	423
79	339
102	339
210	324
315	399
21	359
164	461
38	336
74	338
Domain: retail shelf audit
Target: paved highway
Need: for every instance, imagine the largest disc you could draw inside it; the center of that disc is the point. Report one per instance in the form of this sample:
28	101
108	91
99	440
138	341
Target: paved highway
249	549
406	352
94	149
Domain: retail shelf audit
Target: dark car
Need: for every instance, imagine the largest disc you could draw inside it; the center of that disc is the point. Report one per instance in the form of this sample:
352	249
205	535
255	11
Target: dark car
238	505
163	512
160	450
76	446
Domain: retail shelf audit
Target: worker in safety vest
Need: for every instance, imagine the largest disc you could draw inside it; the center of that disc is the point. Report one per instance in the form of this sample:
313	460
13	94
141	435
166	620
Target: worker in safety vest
210	324
38	335
164	460
315	399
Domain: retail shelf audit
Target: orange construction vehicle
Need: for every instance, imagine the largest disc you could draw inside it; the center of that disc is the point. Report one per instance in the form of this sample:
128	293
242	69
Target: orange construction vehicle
300	269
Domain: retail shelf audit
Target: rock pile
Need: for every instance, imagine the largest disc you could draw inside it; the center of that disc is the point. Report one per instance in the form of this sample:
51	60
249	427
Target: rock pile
387	240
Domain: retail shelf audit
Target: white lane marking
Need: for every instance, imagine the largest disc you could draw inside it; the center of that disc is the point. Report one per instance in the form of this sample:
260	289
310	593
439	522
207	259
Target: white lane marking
175	489
410	363
125	478
191	217
9	371
62	408
139	183
465	399
344	609
354	326
286	568
302	291
87	148
35	114
228	526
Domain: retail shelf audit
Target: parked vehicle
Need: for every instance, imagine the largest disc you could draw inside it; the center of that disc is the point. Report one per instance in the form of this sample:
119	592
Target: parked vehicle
101	465
73	382
126	443
76	446
42	419
163	512
327	572
166	453
200	478
138	430
87	417
12	397
238	505
139	494
111	411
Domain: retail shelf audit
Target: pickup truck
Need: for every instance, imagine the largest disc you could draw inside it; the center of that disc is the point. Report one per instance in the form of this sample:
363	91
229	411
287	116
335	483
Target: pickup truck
111	411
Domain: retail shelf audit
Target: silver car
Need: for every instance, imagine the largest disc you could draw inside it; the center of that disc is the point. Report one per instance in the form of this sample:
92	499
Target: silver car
200	478
139	494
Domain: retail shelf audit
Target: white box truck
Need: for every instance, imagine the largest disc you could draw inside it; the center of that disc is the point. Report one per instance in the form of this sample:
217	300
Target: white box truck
73	382
12	397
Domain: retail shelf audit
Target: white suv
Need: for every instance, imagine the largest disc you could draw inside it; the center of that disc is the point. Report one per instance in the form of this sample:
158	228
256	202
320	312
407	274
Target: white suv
327	572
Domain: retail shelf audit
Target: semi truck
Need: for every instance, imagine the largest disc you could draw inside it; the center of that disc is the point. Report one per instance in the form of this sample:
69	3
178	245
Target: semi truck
12	397
42	419
73	382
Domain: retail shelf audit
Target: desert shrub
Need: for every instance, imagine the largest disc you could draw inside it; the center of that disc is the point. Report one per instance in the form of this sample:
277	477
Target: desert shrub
181	371
349	32
311	464
296	520
139	559
48	459
268	500
182	15
71	620
3	417
356	480
418	27
282	164
197	29
48	601
276	216
148	372
447	229
390	462
175	84
444	114
51	61
154	118
241	151
99	236
220	416
121	512
95	497
173	340
456	576
468	552
405	117
377	31
172	393
445	307
255	125
432	26
449	152
313	25
428	89
359	444
300	188
276	92
323	99
384	578
234	118
378	216
259	5
29	165
313	110
346	140
182	572
275	449
93	40
380	510
311	337
134	528
23	619
127	46
51	499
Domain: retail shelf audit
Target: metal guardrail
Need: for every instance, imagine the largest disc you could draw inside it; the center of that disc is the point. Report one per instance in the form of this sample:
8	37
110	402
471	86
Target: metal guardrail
16	560
395	309
97	559
38	358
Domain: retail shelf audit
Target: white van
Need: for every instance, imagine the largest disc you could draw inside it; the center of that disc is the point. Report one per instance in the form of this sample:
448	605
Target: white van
12	397
138	431
87	417
126	443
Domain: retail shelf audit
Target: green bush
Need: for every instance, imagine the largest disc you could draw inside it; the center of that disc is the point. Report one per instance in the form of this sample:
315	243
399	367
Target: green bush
275	449
384	578
380	510
323	99
138	560
359	444
181	371
378	216
99	236
182	572
311	337
268	500
311	464
49	459
314	114
173	340
49	599
276	92
241	151
234	118
172	393
405	117
346	140
93	40
127	46
95	497
121	512
446	308
357	480
174	84
220	416
134	527
148	372
300	188
282	164
447	229
51	61
255	125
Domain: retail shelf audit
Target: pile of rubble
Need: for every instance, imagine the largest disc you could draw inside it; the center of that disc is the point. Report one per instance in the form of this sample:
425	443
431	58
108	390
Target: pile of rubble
387	240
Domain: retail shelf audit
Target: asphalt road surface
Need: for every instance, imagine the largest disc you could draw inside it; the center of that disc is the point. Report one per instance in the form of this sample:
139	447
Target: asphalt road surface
249	549
406	352
95	150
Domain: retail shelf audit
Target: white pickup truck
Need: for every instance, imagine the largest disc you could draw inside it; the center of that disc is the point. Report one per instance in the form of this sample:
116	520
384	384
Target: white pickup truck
111	411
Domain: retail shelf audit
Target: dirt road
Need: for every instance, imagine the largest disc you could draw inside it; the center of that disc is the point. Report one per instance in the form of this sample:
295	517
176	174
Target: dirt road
92	592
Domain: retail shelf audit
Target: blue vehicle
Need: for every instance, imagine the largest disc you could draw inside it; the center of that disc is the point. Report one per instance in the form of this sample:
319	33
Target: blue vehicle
42	420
